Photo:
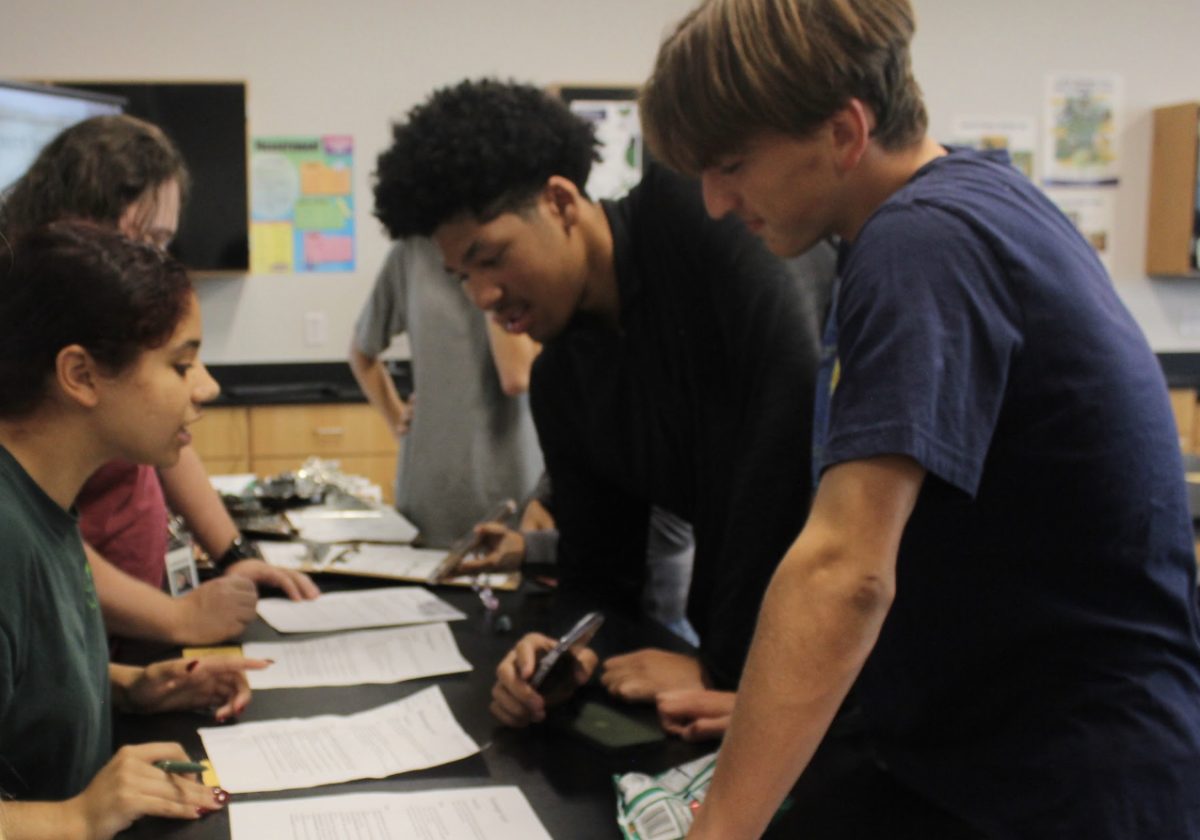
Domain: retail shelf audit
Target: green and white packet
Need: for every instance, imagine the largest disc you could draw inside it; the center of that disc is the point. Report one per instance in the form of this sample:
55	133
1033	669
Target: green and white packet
662	807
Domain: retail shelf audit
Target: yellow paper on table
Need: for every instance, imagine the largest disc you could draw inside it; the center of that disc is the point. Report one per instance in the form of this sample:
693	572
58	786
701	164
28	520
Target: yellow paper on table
209	776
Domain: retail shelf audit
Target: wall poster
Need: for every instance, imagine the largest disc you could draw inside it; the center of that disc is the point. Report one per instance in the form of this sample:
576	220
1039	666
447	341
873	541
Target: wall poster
302	204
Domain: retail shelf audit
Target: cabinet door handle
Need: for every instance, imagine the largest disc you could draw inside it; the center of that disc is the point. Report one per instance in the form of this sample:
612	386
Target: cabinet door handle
330	431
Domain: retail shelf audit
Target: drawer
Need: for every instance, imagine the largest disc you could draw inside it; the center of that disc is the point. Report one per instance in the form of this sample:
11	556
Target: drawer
221	434
325	431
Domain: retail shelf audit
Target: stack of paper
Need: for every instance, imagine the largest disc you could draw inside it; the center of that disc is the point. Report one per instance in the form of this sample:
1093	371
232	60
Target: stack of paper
328	525
410	734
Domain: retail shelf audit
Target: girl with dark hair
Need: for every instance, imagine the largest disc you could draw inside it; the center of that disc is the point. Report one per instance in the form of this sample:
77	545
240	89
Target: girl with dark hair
125	173
99	342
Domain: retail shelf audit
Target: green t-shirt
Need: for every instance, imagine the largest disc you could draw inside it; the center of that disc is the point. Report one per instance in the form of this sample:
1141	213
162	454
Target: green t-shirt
55	703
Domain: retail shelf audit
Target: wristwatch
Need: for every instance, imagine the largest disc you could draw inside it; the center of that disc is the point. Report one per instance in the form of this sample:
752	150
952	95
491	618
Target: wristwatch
238	550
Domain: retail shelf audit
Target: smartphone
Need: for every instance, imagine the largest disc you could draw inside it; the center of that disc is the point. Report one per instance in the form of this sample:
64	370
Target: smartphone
577	638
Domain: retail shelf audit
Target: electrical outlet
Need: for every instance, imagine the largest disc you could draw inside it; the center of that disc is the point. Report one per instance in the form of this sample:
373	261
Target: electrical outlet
1189	321
316	329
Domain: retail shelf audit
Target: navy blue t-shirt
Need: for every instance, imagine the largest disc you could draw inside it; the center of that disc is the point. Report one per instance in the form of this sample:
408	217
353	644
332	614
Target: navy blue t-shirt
1039	672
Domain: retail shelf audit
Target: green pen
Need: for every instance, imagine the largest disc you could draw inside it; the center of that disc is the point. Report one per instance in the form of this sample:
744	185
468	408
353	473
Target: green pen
180	766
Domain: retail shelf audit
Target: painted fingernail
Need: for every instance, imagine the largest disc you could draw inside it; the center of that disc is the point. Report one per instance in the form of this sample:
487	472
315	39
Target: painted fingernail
191	666
271	661
203	812
220	795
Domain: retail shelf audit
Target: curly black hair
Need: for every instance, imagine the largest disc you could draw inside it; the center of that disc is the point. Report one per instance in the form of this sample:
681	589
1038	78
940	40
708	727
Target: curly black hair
484	147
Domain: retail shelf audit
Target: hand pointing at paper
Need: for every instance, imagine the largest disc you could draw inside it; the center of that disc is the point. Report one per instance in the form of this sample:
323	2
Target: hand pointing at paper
217	682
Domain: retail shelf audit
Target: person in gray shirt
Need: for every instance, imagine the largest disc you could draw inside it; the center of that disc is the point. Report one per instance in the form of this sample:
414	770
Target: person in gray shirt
470	440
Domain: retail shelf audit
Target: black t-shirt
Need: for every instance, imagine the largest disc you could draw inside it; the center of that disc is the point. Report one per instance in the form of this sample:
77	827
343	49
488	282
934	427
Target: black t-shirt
700	403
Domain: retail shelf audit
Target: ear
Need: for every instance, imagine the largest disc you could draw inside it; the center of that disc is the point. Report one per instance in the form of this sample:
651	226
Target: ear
563	200
851	131
78	375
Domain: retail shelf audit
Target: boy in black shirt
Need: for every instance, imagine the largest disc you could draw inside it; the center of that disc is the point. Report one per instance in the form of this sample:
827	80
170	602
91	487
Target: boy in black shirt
678	367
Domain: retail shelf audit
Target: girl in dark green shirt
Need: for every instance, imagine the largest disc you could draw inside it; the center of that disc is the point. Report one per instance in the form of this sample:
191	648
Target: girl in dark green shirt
99	342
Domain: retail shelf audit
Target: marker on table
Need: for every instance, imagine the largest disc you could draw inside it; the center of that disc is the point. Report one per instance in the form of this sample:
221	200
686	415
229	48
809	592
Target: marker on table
470	541
180	766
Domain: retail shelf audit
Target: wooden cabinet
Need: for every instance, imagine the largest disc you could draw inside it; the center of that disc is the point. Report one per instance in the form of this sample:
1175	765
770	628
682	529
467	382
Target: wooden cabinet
221	438
270	439
1172	214
283	436
1187	418
321	430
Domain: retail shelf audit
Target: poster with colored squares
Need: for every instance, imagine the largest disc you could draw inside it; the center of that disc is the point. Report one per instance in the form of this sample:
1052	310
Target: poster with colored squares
302	204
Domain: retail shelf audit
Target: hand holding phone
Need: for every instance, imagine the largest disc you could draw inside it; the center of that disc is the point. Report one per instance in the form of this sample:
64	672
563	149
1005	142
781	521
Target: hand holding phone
517	700
575	639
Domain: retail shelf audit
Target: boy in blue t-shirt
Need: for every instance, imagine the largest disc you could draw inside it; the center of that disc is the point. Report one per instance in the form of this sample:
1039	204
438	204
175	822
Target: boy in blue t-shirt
999	549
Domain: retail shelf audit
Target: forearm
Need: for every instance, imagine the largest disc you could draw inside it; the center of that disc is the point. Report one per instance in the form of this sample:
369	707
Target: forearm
513	357
819	620
131	607
43	821
378	387
121	678
191	495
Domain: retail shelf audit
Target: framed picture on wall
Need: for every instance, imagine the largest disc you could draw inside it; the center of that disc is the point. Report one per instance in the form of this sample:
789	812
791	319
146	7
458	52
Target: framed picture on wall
613	110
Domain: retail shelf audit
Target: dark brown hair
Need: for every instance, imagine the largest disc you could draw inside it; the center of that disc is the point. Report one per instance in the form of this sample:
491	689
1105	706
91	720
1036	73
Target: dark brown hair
93	170
736	68
75	282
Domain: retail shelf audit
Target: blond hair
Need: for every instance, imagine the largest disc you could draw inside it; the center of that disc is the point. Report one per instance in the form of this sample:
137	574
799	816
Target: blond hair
735	68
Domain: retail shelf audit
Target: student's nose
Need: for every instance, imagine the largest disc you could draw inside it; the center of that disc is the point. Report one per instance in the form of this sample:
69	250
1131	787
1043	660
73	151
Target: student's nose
719	199
482	293
205	388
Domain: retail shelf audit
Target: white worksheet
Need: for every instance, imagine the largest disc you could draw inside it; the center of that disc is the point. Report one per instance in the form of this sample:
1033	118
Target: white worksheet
481	813
356	610
410	734
368	656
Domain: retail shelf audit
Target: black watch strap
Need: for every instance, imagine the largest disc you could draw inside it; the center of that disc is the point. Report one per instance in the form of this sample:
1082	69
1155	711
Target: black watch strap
240	549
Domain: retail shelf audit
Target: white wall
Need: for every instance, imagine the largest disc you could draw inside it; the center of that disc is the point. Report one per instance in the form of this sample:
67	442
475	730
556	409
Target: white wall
350	67
973	57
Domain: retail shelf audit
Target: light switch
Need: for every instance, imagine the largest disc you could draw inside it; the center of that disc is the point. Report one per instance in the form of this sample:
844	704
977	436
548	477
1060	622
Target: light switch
316	329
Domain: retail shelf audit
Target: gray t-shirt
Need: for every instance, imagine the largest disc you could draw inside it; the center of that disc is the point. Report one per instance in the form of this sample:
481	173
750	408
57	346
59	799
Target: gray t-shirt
469	445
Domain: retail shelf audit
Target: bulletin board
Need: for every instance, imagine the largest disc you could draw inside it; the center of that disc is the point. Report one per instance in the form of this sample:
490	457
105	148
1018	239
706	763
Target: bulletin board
612	109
